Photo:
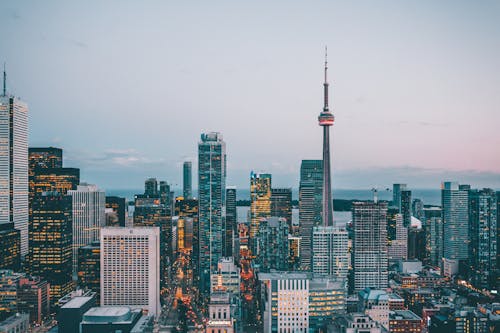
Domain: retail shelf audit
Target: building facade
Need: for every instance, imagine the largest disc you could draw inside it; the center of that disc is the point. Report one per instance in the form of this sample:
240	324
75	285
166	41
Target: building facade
130	268
187	184
310	207
14	166
260	204
455	205
89	216
330	251
212	199
369	245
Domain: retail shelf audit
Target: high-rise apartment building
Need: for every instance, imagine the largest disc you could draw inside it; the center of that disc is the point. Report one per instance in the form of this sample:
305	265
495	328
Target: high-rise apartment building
14	165
130	268
330	251
310	206
455	204
89	204
50	235
212	198
370	245
483	237
398	248
260	204
272	244
231	222
187	183
434	234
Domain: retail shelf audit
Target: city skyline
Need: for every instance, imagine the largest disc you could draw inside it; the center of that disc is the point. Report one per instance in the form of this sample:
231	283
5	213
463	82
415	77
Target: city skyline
446	99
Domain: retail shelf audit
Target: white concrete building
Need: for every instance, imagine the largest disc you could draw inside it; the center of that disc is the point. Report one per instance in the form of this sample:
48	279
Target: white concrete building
130	267
89	215
14	165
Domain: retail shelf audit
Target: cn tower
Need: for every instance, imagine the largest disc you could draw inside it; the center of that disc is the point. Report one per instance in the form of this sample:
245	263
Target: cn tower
326	120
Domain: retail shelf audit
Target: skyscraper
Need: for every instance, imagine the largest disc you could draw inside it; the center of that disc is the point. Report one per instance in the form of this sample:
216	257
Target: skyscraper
212	198
260	204
370	245
396	194
89	268
53	179
281	204
434	228
89	204
130	268
14	165
455	206
117	211
273	244
231	225
188	209
10	247
330	251
151	187
310	206
50	235
187	174
483	237
44	157
405	207
326	120
398	249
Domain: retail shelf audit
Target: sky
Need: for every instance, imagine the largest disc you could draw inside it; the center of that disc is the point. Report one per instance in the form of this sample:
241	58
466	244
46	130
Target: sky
126	87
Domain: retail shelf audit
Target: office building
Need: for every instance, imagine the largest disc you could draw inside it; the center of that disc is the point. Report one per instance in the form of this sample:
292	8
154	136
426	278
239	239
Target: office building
89	269
187	184
89	204
212	198
53	180
434	241
123	319
10	247
398	247
310	206
152	210
260	204
330	251
130	268
396	195
71	314
405	207
51	230
219	314
417	209
9	281
231	225
17	323
404	321
483	237
33	297
14	165
369	245
281	204
272	244
44	158
355	323
227	278
455	207
184	239
188	209
300	301
116	209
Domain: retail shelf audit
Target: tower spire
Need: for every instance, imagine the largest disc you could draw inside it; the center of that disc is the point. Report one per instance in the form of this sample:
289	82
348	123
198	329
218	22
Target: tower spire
325	84
4	81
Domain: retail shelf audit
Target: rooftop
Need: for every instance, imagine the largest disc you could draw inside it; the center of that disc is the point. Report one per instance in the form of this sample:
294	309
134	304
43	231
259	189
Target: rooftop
106	314
77	302
403	315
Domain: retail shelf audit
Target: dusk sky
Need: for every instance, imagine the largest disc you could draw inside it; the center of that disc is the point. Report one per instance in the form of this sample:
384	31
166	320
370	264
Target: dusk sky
126	87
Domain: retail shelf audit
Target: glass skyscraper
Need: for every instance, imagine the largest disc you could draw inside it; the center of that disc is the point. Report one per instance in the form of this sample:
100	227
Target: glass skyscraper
187	175
310	206
455	220
212	198
260	204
